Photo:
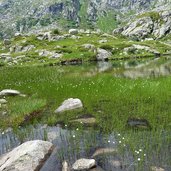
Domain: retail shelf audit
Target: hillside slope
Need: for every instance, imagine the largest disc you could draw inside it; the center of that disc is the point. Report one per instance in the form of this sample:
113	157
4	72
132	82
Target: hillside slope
28	15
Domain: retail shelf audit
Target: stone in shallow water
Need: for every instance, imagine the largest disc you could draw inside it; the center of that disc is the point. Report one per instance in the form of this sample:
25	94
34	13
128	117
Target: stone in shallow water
138	123
26	157
103	151
9	92
69	104
85	120
83	164
116	163
154	168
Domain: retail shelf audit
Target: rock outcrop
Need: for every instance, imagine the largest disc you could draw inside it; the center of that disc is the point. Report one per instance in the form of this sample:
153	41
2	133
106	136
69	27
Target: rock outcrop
155	24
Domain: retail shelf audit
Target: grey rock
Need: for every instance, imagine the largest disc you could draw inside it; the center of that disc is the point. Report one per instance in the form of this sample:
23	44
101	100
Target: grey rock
73	31
26	157
28	48
75	37
103	41
88	120
4	55
9	92
83	164
17	34
103	54
90	47
3	101
69	104
115	163
104	151
146	48
140	28
50	54
18	48
47	36
155	168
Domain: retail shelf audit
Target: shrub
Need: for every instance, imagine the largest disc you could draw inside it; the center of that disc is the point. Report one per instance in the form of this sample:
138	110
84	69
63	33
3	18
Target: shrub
56	31
106	47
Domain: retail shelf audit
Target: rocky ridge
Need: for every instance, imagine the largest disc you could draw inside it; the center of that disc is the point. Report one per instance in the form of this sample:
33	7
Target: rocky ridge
24	16
153	24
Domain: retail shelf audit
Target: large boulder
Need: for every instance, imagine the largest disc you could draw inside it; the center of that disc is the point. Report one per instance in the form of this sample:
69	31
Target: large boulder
9	92
69	104
140	28
26	157
103	54
84	164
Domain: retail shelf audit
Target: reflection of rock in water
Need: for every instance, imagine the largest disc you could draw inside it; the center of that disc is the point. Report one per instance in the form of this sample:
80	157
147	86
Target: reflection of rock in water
104	66
148	71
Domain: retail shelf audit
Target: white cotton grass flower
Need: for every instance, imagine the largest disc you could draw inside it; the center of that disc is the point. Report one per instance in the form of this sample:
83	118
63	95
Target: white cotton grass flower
140	150
120	142
108	141
139	159
66	125
73	136
77	129
144	155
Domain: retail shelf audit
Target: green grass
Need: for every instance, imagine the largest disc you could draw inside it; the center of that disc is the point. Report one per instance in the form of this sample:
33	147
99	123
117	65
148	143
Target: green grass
112	99
107	23
21	110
